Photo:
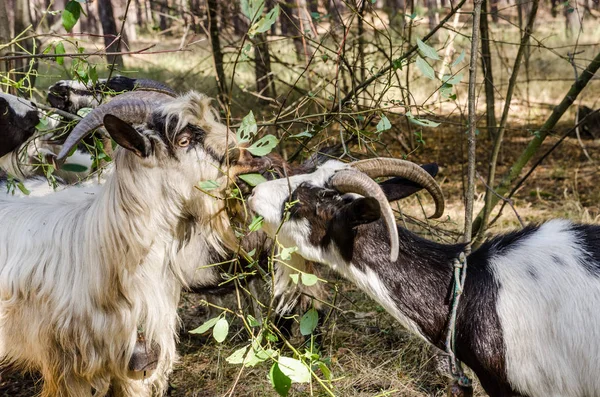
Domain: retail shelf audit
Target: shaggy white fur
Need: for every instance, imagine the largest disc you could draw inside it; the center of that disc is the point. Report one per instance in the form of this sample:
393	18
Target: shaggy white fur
83	271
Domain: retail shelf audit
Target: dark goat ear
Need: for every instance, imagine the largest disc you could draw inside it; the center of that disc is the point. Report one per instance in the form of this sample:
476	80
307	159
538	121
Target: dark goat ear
125	135
358	212
399	188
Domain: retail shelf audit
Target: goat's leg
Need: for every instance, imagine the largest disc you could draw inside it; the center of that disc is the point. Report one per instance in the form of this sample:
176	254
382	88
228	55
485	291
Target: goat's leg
65	385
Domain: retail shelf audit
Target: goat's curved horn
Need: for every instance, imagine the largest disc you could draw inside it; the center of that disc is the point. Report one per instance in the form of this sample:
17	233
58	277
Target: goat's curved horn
379	167
133	107
351	181
154	86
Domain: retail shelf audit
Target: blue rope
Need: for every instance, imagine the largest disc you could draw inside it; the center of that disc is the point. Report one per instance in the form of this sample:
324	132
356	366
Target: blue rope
459	274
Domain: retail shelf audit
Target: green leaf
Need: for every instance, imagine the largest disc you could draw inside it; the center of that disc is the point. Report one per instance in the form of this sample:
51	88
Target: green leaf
83	112
263	146
221	329
286	253
93	74
252	179
452	80
252	9
252	321
280	381
23	189
208	185
446	91
428	51
237	357
303	134
326	371
421	122
265	23
384	124
309	279
256	223
71	167
425	68
309	322
460	58
294	278
294	369
70	15
206	326
42	124
59	49
247	129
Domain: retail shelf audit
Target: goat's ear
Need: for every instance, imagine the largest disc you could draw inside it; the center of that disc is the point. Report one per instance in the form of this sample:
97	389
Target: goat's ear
127	136
399	188
358	212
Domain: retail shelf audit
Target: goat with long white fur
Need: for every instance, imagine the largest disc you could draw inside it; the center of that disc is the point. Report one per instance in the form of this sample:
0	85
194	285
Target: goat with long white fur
85	274
528	323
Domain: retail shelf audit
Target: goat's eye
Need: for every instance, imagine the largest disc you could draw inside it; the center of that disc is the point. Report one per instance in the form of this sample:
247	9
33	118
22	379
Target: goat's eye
184	141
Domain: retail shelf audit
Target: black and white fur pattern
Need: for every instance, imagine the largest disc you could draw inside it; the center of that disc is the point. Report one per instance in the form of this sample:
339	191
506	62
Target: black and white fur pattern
528	323
73	95
82	271
23	147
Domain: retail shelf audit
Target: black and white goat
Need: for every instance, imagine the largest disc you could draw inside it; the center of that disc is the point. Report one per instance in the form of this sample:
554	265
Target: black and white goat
528	323
73	95
23	147
88	274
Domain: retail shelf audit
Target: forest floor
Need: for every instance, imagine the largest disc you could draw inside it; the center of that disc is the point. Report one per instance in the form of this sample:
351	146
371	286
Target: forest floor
369	354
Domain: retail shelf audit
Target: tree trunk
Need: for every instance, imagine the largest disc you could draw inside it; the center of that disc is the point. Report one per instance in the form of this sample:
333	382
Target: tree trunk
488	76
4	38
305	27
21	22
396	11
240	25
164	11
139	15
494	10
573	18
109	30
489	194
313	5
432	13
215	42
335	9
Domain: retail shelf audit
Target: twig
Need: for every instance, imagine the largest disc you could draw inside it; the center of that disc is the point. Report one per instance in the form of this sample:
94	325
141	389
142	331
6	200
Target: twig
362	86
572	61
505	199
487	209
143	51
538	162
62	113
469	196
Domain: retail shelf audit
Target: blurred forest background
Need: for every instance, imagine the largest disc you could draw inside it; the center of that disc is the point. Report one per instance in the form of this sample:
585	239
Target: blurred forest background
381	77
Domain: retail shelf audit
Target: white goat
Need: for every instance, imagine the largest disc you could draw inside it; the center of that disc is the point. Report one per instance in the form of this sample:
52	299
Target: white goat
85	273
528	323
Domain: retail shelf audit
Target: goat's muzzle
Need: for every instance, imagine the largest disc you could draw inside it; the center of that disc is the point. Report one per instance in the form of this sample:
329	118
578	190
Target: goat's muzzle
144	360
